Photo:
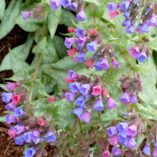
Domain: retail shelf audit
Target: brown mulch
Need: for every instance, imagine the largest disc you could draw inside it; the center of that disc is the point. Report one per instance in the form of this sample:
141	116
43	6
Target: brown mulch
7	146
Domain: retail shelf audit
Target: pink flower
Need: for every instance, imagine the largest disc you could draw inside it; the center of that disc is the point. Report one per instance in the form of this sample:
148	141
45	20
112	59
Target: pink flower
106	153
42	122
90	63
113	14
51	99
155	152
113	141
12	133
71	30
16	99
86	117
72	52
92	32
96	90
134	52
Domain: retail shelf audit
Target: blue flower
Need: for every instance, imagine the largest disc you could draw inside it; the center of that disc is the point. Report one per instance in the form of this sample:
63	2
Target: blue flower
80	101
6	97
122	127
18	112
124	5
112	6
81	57
19	140
98	105
50	137
69	96
74	87
69	42
10	119
73	6
29	152
54	4
80	32
147	150
84	89
130	29
125	98
111	131
65	3
143	57
92	46
81	16
78	112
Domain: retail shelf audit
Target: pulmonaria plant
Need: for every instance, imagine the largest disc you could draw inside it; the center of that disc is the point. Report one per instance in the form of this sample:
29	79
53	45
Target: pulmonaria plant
139	15
25	128
131	86
87	94
76	6
88	47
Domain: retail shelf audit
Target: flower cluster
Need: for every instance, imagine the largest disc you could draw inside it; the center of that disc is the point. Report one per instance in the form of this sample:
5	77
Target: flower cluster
88	47
130	88
69	4
139	52
24	128
122	134
147	149
138	15
87	94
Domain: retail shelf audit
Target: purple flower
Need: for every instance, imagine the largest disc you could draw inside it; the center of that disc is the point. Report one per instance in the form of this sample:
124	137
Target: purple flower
18	112
50	137
54	4
81	57
134	52
11	86
78	112
69	42
122	127
126	14
116	151
10	119
26	15
131	131
127	23
111	131
10	106
113	140
69	96
111	103
152	21
6	97
84	89
74	87
131	143
85	117
102	64
130	29
115	63
27	137
125	98
143	57
155	152
124	5
80	101
98	105
80	32
147	150
19	140
81	16
65	3
112	6
35	136
72	75
143	28
73	6
81	42
133	98
92	46
29	152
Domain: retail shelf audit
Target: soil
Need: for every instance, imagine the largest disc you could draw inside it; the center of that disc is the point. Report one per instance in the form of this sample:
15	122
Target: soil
7	146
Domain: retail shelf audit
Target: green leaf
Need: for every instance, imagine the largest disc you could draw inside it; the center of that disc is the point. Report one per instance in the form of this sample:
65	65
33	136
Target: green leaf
16	57
67	18
97	2
53	20
29	25
8	21
2	8
2	119
148	75
41	47
153	43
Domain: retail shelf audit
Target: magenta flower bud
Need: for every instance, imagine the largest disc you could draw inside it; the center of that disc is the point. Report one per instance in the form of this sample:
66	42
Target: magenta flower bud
26	15
131	131
147	150
85	117
113	140
106	153
81	16
111	103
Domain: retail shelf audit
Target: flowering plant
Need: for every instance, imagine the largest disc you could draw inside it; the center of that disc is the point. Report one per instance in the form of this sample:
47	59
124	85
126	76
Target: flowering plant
90	88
